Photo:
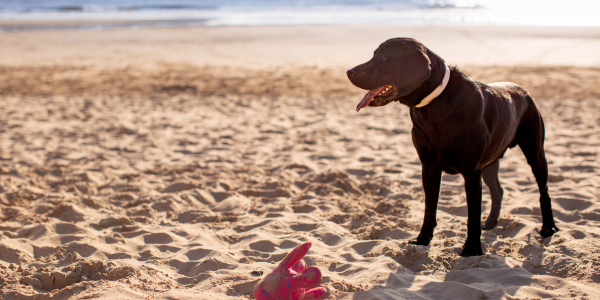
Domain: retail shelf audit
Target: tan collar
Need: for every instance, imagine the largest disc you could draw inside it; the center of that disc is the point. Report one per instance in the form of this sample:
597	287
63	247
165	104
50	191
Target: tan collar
437	90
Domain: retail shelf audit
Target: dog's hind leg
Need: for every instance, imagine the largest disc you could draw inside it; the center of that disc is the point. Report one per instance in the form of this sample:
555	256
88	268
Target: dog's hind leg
490	177
530	138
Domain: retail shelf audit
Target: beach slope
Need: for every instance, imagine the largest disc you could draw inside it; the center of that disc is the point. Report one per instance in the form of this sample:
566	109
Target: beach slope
186	163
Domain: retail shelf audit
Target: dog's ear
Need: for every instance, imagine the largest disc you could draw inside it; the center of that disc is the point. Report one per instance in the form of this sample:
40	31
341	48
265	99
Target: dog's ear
414	69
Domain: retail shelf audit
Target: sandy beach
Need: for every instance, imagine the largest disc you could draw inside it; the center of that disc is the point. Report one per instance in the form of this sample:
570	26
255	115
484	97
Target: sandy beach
179	163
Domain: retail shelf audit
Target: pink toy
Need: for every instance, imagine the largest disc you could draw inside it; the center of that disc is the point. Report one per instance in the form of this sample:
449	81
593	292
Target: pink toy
292	280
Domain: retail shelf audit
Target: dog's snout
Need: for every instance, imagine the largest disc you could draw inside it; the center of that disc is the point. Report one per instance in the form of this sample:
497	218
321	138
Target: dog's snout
351	73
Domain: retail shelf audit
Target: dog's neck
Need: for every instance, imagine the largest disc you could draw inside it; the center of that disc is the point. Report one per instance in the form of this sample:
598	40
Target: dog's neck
437	90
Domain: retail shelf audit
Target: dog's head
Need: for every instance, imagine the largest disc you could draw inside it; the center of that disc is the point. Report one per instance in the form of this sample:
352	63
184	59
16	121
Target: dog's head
399	66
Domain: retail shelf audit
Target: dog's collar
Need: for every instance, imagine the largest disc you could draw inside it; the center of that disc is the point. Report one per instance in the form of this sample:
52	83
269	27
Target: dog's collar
437	90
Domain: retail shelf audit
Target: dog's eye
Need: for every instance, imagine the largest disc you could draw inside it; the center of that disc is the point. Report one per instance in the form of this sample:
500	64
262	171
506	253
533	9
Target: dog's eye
383	58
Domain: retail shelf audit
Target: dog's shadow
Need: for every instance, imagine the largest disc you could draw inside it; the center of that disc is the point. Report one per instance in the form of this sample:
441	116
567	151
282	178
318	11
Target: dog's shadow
483	277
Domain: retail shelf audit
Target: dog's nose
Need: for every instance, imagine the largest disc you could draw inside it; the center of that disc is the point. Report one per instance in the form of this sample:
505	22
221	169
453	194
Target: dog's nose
351	73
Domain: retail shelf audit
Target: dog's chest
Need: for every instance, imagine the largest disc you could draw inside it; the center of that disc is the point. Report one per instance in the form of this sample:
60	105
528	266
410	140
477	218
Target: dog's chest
453	154
448	161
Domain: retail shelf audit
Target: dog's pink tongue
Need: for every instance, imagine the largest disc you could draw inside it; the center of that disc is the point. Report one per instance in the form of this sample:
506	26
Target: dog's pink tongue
368	98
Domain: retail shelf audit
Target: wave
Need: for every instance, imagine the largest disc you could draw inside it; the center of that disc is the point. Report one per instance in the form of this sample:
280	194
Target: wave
104	8
139	5
186	13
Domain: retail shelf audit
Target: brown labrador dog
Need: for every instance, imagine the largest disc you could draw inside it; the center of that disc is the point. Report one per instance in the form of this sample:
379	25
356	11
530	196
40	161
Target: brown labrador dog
460	126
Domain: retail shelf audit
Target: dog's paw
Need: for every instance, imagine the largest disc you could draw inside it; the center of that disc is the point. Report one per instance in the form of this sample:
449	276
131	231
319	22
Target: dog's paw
548	231
471	248
489	224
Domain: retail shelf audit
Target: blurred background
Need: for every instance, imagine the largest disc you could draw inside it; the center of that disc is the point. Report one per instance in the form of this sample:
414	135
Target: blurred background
171	149
98	14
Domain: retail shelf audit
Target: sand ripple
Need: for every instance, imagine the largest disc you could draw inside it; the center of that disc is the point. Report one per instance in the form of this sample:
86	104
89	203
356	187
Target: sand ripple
184	197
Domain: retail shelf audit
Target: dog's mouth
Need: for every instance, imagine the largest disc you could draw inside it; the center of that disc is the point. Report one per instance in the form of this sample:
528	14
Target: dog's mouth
377	94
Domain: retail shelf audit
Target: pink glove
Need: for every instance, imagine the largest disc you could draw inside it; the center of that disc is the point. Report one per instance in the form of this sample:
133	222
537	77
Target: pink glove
292	280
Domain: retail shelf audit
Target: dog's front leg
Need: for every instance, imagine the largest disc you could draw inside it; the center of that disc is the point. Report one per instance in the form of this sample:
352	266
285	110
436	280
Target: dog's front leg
472	245
432	177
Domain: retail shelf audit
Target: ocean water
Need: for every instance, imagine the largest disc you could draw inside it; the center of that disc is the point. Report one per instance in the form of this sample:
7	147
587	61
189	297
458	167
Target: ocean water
101	14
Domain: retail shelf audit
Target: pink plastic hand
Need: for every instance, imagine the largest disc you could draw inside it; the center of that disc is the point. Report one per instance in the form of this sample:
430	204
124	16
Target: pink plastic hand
292	280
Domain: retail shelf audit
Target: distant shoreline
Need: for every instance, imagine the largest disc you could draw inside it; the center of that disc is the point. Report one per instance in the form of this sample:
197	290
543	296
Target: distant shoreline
45	25
166	18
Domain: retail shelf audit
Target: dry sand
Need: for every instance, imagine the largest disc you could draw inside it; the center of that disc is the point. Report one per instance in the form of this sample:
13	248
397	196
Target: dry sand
173	163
